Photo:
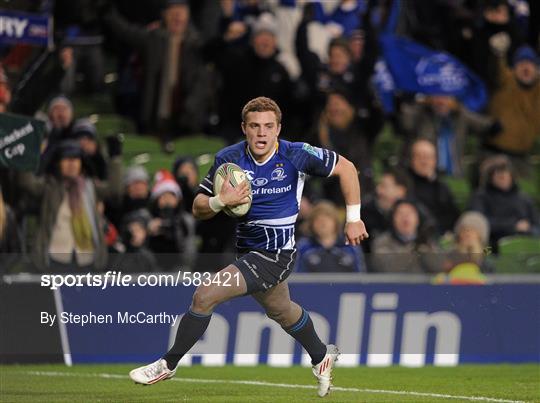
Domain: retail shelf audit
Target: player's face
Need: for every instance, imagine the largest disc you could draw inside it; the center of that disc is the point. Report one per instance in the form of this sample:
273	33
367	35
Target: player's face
262	131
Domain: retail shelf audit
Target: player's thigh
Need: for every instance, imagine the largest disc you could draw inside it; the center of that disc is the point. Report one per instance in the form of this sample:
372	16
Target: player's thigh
276	300
226	284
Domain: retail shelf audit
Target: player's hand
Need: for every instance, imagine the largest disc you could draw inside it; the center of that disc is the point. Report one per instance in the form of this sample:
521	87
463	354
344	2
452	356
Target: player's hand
355	232
233	196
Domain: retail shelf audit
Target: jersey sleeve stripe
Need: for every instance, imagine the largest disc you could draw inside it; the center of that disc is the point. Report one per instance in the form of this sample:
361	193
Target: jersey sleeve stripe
205	188
333	163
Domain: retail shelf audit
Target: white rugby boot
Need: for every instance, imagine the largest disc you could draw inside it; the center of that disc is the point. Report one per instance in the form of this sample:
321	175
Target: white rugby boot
152	373
323	370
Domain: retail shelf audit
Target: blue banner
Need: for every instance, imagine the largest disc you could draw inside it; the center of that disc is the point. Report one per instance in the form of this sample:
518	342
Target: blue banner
373	324
18	27
417	69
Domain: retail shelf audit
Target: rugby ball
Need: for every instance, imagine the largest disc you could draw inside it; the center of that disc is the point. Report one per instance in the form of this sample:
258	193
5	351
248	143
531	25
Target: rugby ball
237	176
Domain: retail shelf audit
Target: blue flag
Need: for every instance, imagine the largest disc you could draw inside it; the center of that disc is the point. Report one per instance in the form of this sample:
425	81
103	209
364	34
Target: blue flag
18	27
418	69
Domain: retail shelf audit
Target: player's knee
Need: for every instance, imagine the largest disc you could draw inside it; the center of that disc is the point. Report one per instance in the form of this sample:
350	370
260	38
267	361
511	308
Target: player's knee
203	302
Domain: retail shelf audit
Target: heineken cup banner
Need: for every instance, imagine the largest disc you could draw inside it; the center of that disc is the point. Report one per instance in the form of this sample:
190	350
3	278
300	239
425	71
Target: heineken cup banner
20	141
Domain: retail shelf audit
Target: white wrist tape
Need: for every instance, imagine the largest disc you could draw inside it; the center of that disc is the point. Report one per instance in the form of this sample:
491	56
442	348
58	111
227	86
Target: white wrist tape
353	212
216	204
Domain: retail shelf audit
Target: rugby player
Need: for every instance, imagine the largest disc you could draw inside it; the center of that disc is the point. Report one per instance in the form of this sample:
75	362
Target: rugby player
265	236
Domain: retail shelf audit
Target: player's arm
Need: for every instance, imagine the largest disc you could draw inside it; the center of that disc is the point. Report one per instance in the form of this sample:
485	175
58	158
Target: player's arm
355	230
205	207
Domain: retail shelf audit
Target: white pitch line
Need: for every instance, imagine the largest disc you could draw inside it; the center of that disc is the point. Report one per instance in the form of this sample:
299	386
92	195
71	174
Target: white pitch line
282	385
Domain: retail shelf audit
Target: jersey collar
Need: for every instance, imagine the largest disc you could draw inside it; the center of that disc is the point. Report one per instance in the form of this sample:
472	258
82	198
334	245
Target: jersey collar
266	160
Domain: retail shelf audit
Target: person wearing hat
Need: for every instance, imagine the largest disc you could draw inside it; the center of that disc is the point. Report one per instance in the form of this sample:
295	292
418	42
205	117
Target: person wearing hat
69	235
60	114
508	210
135	195
171	230
515	102
471	234
85	131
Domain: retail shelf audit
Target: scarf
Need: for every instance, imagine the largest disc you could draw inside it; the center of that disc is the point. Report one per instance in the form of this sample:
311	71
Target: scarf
80	220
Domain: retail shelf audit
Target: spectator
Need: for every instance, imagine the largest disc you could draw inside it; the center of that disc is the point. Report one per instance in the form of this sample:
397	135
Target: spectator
60	113
472	237
10	243
325	250
508	211
393	186
496	18
136	195
341	129
341	70
40	80
85	131
171	230
444	121
248	70
174	91
77	23
407	247
186	173
137	256
69	234
428	188
516	103
112	237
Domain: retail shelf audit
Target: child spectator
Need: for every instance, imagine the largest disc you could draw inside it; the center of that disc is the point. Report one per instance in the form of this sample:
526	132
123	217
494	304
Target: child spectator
325	250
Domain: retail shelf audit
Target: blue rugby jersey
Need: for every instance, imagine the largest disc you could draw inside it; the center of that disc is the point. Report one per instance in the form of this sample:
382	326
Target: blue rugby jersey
276	185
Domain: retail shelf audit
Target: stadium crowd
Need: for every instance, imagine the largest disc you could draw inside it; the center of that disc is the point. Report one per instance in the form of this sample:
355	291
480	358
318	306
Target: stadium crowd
187	67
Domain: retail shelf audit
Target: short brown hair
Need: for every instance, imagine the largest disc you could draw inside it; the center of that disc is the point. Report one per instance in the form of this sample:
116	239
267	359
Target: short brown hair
261	104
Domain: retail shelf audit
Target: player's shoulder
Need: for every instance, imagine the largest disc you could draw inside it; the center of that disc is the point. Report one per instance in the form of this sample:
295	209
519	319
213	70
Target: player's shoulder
292	149
232	153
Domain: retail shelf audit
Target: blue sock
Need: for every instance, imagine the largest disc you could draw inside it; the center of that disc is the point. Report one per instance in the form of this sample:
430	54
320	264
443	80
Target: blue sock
191	328
304	332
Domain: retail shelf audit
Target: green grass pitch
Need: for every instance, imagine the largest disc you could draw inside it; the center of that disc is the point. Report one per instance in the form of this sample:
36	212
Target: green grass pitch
109	383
